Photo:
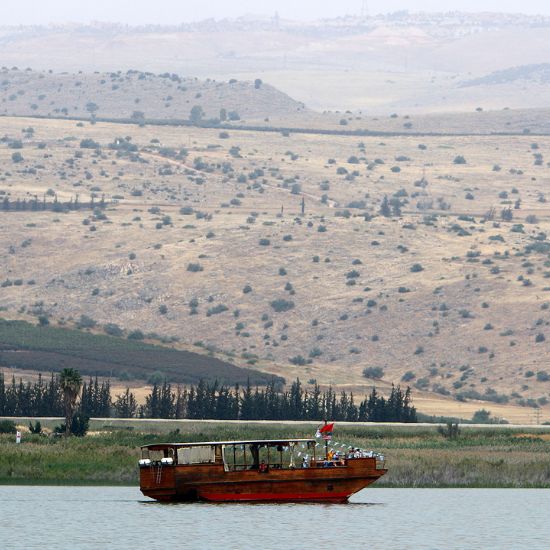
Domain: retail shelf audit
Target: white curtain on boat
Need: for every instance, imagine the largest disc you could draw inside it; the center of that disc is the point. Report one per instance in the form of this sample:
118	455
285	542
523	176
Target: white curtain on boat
196	455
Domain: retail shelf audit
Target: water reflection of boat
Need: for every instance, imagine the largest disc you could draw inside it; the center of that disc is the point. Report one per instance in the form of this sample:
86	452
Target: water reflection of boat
287	470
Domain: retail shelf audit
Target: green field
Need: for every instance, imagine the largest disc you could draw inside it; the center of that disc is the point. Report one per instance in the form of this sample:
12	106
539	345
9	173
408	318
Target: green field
44	348
417	456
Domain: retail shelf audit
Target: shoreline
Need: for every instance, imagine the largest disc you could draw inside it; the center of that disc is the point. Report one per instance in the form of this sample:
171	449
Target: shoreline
46	483
417	456
142	422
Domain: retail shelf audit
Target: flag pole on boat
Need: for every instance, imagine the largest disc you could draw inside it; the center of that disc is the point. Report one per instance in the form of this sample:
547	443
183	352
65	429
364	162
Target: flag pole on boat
326	433
326	441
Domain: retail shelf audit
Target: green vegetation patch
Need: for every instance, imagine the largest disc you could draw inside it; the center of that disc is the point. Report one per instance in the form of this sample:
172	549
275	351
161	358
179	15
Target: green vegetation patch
45	348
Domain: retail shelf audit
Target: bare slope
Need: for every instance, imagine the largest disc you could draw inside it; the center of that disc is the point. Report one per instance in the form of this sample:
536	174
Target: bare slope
207	243
137	94
170	98
524	73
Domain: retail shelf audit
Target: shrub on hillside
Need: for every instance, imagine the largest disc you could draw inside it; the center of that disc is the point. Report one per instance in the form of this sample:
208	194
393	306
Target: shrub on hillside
280	305
112	329
89	143
374	373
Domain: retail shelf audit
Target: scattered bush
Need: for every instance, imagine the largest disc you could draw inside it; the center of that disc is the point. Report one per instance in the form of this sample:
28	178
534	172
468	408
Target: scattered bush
112	329
280	305
374	373
86	322
220	308
89	144
194	267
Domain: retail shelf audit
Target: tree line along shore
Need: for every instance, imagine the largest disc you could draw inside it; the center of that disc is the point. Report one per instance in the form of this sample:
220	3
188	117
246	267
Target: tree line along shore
205	400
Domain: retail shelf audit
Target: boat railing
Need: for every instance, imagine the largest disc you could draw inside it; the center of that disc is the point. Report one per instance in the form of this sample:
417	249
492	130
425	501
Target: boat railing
380	461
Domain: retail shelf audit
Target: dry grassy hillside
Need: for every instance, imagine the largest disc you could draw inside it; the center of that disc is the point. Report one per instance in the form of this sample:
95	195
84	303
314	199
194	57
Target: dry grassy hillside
137	95
145	97
477	121
203	238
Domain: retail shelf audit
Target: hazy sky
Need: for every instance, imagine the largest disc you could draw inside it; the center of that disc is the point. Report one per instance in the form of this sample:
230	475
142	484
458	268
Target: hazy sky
174	11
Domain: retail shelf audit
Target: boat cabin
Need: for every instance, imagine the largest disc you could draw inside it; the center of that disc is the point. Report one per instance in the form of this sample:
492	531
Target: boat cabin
238	455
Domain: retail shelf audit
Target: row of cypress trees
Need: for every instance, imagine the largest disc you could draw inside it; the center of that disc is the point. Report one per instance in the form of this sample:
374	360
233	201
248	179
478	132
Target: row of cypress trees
45	397
36	205
214	401
208	400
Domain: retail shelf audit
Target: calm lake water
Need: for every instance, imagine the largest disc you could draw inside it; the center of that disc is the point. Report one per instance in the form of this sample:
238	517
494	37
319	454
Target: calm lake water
114	517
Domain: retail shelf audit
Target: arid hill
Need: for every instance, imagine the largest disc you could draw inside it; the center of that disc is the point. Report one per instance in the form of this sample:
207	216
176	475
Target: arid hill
138	95
423	260
526	73
167	98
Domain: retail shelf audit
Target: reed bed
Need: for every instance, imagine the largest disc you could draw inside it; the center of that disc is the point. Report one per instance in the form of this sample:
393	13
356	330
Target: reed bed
416	456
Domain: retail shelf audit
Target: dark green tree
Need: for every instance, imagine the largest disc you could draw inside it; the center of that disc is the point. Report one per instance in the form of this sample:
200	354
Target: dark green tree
196	115
385	209
71	383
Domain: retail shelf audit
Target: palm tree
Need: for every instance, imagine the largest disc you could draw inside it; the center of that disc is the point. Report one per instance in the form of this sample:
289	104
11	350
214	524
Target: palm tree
71	383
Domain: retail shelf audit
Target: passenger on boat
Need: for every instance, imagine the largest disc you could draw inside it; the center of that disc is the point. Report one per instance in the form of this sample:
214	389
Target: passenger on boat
255	452
305	463
263	467
339	459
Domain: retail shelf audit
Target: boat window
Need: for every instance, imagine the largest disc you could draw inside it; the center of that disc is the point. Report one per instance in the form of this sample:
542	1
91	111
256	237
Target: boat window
275	456
235	457
197	455
157	455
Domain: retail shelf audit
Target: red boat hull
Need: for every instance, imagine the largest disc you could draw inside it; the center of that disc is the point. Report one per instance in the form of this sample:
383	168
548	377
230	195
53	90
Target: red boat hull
210	482
279	497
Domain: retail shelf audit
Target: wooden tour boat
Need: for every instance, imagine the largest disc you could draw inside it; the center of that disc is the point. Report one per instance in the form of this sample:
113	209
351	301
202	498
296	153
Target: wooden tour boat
287	470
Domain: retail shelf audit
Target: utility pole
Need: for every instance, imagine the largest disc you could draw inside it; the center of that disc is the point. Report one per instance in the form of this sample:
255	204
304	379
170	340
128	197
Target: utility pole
365	9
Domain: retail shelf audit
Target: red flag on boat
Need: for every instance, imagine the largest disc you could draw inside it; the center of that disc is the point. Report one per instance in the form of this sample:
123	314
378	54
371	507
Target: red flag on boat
325	431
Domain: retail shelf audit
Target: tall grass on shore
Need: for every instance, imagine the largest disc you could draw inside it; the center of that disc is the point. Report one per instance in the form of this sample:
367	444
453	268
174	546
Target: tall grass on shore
416	456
